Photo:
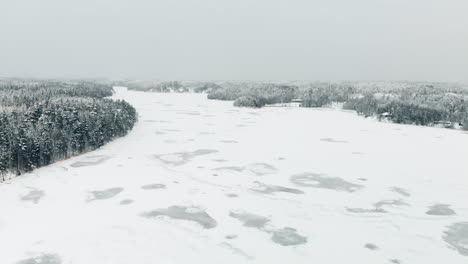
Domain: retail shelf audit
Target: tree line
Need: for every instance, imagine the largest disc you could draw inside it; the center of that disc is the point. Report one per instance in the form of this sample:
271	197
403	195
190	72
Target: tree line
399	102
45	121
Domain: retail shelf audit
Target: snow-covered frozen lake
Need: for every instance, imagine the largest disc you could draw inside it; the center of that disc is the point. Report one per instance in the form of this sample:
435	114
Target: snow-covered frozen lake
199	181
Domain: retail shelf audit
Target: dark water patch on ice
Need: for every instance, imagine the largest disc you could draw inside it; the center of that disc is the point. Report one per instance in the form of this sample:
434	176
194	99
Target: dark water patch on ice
288	237
440	209
42	259
153	186
261	169
180	158
457	237
90	161
193	214
270	189
229	141
317	180
331	140
104	194
34	195
250	220
126	202
395	261
383	203
365	210
371	246
400	191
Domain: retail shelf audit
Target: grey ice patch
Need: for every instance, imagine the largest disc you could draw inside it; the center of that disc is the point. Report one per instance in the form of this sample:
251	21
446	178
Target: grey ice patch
261	168
250	220
365	210
371	246
42	259
153	186
331	140
229	141
193	214
169	141
34	195
206	133
270	189
126	202
288	237
232	195
230	168
457	237
440	209
180	158
231	236
104	194
90	161
400	191
396	261
319	181
383	203
219	160
159	133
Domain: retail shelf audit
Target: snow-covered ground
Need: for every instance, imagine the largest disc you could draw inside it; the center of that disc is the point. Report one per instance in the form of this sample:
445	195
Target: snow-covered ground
200	181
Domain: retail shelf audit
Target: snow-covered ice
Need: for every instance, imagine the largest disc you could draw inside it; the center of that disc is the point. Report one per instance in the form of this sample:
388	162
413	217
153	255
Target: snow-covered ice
199	181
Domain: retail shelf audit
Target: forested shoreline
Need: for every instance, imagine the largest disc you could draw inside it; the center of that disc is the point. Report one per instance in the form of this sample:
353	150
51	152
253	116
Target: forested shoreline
46	121
425	104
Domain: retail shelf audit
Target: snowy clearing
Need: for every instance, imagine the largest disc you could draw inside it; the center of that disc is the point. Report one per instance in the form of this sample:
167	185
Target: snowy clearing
199	181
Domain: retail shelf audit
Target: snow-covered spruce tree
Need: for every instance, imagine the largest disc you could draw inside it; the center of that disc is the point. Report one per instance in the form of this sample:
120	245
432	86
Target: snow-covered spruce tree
42	122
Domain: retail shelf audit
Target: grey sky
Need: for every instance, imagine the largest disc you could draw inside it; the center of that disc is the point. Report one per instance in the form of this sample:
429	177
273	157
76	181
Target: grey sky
236	39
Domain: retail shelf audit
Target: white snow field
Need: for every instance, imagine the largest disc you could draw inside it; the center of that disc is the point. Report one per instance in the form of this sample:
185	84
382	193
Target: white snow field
200	181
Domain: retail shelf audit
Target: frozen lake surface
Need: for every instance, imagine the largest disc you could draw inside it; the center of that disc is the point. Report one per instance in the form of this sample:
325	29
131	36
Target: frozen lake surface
199	181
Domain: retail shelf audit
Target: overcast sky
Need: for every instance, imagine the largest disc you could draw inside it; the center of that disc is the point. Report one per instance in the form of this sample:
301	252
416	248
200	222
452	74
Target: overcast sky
236	39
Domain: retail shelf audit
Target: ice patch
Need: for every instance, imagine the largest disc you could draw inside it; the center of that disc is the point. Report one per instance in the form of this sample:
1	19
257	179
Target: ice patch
126	202
288	236
316	180
34	195
250	220
331	140
153	186
457	237
184	213
104	194
400	191
180	158
42	259
440	209
90	161
270	189
371	246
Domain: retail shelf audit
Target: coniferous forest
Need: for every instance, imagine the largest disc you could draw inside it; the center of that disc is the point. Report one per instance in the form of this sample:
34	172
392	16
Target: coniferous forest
45	121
